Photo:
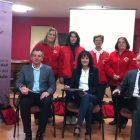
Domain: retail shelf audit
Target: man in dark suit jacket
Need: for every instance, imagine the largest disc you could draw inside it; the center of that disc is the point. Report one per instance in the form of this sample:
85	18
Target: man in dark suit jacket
37	85
131	83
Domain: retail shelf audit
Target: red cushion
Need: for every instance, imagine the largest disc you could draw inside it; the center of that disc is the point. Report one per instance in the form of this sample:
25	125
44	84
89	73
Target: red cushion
126	113
35	108
74	108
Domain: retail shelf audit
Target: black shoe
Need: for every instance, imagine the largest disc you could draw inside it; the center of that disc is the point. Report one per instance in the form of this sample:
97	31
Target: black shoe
113	122
123	126
88	134
28	136
39	136
77	134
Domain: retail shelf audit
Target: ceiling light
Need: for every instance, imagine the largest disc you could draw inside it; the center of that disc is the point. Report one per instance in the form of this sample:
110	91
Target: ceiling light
21	8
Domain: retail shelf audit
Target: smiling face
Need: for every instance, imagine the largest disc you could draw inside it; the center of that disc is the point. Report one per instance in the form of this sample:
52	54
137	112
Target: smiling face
51	37
73	39
121	44
85	61
98	42
36	58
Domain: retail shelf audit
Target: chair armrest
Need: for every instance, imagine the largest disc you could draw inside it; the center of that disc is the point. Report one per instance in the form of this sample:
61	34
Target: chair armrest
16	103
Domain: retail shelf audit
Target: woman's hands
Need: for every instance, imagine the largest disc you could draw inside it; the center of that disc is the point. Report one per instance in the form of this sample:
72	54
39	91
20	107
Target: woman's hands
83	94
116	77
61	80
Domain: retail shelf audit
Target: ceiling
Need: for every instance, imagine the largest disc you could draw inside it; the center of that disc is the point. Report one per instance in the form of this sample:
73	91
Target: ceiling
60	8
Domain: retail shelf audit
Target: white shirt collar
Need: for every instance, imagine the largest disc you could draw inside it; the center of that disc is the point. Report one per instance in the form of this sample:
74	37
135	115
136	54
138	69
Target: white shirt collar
86	71
35	68
101	51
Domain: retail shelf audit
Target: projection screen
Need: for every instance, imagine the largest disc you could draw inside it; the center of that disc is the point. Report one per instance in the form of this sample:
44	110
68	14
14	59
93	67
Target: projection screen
111	23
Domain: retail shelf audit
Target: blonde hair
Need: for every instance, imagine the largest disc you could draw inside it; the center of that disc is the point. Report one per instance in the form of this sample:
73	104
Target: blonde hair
45	39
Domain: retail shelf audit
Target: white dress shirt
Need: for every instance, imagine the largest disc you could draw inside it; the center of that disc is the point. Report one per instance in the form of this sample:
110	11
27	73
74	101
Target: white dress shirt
83	84
98	54
136	88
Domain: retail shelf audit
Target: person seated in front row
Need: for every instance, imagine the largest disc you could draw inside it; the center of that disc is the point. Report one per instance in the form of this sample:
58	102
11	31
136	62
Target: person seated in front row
85	77
37	85
131	83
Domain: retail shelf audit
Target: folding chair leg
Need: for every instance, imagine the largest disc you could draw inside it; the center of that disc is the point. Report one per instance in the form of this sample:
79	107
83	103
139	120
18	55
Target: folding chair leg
120	121
18	116
102	127
54	121
117	126
64	123
15	122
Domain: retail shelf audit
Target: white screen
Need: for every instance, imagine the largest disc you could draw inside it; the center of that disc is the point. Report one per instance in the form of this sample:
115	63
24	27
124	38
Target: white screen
110	23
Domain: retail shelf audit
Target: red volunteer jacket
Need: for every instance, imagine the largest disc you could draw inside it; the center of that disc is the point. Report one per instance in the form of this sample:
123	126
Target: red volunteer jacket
101	65
51	56
66	65
119	65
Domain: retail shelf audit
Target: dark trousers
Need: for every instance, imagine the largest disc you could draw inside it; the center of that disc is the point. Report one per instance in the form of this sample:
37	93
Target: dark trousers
134	107
37	114
86	103
119	105
101	90
101	93
27	102
69	98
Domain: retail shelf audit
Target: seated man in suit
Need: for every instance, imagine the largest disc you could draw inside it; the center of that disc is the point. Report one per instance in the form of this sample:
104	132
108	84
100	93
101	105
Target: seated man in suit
37	85
131	83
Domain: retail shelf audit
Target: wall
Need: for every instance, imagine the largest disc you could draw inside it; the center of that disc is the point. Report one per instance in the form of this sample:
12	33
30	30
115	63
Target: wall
137	32
21	33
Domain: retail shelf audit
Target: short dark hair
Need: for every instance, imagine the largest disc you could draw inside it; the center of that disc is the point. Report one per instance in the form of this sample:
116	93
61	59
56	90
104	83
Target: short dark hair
68	39
38	50
126	41
83	54
96	36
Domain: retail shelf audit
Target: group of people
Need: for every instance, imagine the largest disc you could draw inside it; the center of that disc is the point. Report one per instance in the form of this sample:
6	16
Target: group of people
92	71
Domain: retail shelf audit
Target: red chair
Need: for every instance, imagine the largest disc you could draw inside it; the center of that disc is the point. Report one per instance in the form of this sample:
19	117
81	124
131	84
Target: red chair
34	109
73	108
125	113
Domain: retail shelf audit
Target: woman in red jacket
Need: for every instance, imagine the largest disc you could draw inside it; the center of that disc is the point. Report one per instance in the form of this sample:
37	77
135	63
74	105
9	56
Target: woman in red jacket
51	50
51	56
67	62
99	57
119	62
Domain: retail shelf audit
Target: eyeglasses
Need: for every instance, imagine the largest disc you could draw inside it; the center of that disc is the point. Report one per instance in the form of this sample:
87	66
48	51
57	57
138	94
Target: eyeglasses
121	42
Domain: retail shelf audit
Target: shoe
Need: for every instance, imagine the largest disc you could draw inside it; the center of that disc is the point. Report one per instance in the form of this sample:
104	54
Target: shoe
123	126
39	136
77	134
37	121
73	120
88	134
68	120
113	122
50	120
28	136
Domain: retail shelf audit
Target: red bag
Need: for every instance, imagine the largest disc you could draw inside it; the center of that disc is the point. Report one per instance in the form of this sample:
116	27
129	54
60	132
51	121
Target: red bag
8	115
109	110
59	110
104	112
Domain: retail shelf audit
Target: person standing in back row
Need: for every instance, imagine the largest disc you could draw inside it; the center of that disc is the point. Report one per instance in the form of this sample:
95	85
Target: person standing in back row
67	62
118	64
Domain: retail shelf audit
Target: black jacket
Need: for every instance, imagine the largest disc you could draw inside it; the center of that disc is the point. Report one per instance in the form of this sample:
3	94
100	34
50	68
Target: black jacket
93	80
